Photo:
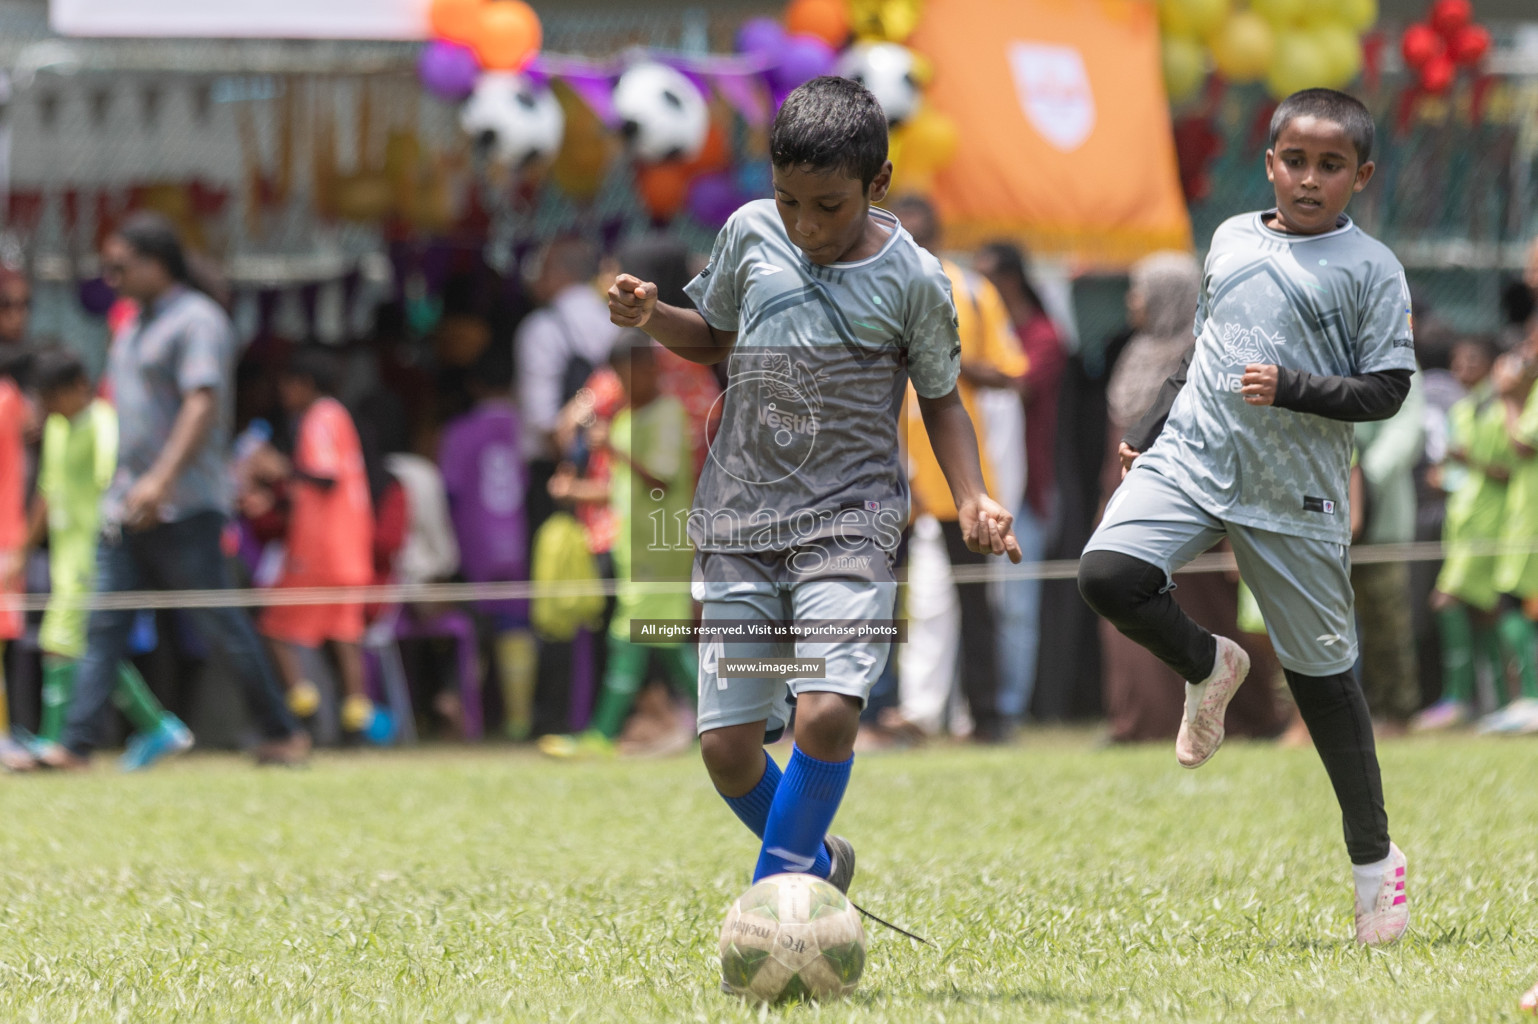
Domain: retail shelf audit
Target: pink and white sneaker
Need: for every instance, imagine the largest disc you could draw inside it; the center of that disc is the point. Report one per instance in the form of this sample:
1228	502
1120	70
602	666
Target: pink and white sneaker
1201	727
1530	1001
1386	920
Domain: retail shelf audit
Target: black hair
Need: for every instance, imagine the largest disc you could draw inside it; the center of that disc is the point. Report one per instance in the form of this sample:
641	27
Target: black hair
576	256
632	342
153	237
1487	344
56	368
317	365
16	363
1518	303
1013	263
831	124
492	370
1328	105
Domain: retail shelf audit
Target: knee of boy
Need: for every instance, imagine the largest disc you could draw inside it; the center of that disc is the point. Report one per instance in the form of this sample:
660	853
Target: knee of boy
729	759
1099	583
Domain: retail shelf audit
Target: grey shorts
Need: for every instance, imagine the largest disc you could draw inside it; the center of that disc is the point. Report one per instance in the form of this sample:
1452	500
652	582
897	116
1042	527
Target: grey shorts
817	582
1303	586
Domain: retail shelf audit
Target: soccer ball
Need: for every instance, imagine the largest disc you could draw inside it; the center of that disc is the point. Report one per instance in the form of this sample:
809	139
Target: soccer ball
887	70
516	123
662	114
792	937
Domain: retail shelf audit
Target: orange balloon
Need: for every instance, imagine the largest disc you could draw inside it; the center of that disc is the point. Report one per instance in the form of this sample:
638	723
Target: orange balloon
663	188
458	21
828	20
508	36
714	155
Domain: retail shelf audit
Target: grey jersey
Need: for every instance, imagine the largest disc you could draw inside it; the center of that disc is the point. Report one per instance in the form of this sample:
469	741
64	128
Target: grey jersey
1335	304
808	443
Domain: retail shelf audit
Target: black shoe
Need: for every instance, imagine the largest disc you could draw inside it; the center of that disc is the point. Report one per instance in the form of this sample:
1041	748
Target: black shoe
841	852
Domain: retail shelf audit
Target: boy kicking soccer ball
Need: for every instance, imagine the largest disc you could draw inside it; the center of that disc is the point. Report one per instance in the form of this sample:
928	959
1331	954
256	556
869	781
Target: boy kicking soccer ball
824	308
1302	329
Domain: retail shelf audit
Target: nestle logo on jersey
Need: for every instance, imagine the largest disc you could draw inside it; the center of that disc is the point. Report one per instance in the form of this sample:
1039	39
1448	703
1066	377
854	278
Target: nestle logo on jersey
796	423
1228	381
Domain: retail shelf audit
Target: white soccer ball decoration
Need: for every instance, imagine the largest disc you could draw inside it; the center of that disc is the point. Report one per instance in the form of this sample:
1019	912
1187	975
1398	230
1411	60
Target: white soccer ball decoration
792	937
518	123
662	114
887	70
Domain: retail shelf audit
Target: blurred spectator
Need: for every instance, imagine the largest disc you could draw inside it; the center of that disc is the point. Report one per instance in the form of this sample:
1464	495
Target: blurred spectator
487	486
329	541
171	370
557	348
650	491
79	456
13	533
1005	266
931	661
15	307
1388	451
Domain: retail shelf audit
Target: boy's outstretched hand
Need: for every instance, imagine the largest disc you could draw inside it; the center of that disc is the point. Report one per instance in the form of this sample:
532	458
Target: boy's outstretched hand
986	527
631	301
1258	385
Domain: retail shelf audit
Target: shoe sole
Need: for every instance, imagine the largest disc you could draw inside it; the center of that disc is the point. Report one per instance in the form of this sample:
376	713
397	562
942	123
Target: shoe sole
841	851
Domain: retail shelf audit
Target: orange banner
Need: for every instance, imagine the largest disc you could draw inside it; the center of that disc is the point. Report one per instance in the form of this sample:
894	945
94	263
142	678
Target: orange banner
1064	128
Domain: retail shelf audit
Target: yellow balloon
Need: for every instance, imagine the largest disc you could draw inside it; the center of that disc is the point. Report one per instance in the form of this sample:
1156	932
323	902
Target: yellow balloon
890	21
1361	15
1342	52
1195	18
1280	13
1297	63
1242	48
1185	66
1317	12
931	139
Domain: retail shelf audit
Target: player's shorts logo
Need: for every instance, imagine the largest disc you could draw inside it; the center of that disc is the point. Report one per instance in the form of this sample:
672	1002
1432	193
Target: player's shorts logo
1245	345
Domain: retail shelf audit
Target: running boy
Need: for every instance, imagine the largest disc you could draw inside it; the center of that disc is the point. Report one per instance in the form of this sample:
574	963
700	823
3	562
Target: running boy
1302	329
79	457
823	307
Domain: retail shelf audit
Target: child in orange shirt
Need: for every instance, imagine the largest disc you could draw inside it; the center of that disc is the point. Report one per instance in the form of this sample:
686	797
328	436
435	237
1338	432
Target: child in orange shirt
329	539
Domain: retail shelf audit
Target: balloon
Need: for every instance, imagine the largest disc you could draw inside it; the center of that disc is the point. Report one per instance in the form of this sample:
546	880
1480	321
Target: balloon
509	35
1242	47
1185	66
1469	45
890	21
1342	52
580	166
1192	17
1437	73
96	296
1280	13
458	21
1448	16
828	20
448	70
920	148
1296	64
1420	44
713	198
663	188
761	36
1359	14
802	59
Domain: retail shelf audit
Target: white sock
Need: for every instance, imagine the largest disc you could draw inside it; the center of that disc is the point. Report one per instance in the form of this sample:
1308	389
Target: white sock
1369	879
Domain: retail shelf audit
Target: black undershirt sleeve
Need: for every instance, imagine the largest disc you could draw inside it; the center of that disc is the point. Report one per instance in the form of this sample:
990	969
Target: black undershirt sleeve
325	483
1359	399
1142	434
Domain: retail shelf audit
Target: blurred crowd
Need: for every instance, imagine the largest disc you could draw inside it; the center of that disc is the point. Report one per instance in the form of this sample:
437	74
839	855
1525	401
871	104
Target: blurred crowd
506	432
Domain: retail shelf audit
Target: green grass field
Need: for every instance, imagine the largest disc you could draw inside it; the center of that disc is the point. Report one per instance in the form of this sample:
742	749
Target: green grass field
1060	882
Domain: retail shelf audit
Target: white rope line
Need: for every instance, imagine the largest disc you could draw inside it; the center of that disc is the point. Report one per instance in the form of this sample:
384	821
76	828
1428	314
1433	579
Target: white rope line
457	593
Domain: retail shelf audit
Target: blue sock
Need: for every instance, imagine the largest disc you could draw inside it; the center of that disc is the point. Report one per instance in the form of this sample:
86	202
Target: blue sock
753	807
803	808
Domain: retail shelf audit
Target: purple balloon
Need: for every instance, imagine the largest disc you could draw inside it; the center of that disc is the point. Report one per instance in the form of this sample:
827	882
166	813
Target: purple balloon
761	36
713	198
448	70
96	296
802	59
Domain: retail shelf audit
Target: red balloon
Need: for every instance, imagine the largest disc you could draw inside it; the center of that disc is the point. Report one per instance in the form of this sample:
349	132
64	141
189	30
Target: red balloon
1420	44
1469	45
1448	16
1438	73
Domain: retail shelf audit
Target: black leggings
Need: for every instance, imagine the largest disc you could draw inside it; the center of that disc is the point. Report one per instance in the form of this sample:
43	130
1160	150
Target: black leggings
1134	596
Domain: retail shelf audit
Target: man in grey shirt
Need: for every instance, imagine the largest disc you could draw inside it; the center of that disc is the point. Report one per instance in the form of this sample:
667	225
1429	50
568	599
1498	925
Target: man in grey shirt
171	372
